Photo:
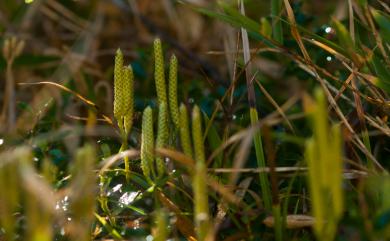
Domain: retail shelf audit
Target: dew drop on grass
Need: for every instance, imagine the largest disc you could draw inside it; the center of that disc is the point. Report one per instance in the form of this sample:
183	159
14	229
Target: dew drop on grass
1	142
328	29
149	238
127	198
63	204
117	188
329	58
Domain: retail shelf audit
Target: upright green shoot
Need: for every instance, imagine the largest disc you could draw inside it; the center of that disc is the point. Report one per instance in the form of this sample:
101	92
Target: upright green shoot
324	160
201	210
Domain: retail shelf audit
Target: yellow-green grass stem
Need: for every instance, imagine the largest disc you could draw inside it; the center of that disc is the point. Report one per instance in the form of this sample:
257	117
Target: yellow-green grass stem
201	209
264	183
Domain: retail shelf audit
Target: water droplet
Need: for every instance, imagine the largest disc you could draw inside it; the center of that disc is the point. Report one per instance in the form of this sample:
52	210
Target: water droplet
63	204
1	142
35	159
329	58
127	198
149	238
117	188
328	29
234	117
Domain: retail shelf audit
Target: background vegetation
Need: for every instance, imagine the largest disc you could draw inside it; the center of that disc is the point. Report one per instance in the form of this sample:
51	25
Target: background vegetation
277	130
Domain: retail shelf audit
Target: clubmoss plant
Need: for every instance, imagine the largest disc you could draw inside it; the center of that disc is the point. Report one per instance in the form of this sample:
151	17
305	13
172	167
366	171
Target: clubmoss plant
201	210
128	86
147	144
162	137
82	199
172	90
161	230
324	160
184	130
119	106
123	102
159	74
10	197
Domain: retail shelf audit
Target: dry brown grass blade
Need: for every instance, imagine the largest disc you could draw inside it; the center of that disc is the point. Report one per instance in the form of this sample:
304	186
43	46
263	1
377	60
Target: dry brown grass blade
293	221
185	226
85	100
344	87
277	107
328	49
177	156
106	164
190	165
80	97
294	30
225	192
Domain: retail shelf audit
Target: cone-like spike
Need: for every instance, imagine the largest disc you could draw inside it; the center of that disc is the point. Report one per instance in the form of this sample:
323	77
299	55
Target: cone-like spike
147	143
162	136
119	108
185	138
172	91
159	74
